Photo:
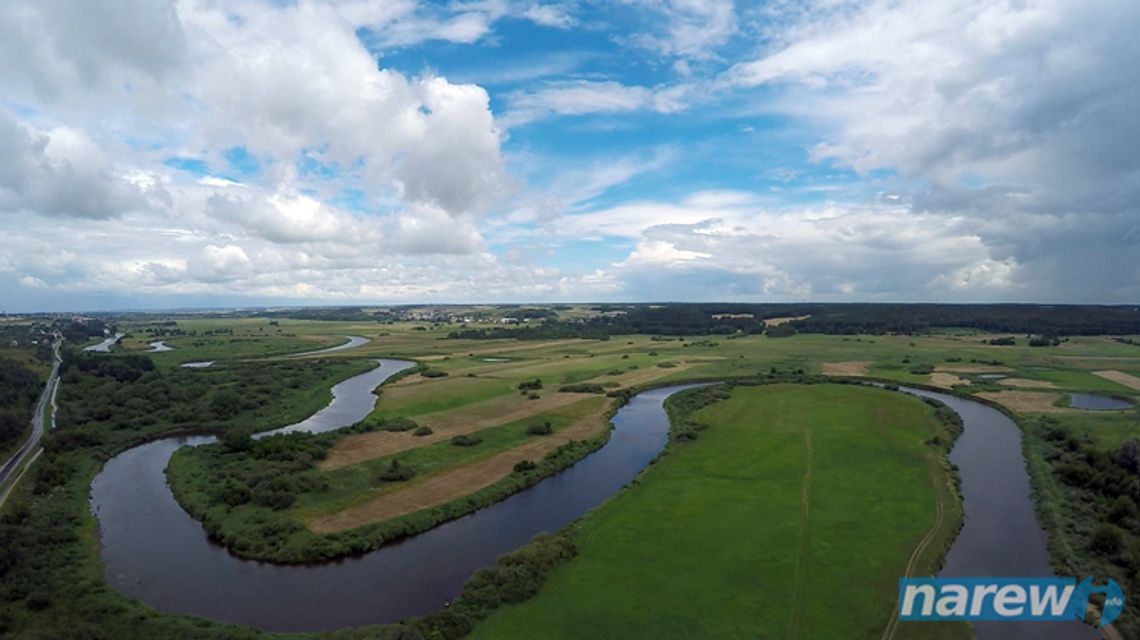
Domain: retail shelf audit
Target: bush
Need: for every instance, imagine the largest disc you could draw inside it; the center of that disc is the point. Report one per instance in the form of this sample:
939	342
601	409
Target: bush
1106	540
532	396
922	369
399	424
433	373
1123	510
524	466
530	385
238	440
396	472
422	431
543	429
466	441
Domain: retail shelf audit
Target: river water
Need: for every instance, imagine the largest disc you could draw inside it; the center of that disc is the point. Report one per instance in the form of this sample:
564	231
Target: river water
1000	535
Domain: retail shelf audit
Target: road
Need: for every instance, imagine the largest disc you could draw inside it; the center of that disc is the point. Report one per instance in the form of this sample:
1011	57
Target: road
28	451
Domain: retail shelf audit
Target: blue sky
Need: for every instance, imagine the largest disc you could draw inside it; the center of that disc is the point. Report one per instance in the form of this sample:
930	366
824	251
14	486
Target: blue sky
312	152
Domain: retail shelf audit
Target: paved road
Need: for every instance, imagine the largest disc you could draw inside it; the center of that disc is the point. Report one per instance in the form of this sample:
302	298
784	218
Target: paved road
39	421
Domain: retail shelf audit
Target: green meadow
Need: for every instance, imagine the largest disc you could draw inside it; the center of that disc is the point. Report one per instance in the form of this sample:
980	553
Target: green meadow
792	516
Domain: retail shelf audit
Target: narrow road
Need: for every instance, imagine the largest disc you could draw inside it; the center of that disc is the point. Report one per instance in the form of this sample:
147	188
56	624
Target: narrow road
28	450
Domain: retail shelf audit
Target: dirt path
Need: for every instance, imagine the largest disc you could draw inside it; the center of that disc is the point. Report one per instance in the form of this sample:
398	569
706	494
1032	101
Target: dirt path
805	513
445	425
912	562
456	483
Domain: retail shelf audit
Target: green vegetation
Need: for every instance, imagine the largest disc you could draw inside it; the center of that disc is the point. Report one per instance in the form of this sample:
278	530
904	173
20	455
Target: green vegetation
20	388
792	495
1087	497
51	582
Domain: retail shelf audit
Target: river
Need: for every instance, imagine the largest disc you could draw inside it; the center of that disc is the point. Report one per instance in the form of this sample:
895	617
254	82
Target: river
154	552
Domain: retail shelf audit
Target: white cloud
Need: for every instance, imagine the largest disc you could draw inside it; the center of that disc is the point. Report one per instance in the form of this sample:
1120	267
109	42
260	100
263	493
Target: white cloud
60	52
555	15
692	29
576	97
62	172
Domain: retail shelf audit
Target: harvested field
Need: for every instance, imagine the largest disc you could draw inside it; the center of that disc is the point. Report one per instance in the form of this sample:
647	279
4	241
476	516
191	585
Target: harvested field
1026	401
1119	377
946	380
775	322
445	424
852	368
456	483
973	368
1024	383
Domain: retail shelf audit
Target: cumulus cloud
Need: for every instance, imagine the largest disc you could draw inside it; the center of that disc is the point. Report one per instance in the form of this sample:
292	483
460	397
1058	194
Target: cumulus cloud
62	172
61	51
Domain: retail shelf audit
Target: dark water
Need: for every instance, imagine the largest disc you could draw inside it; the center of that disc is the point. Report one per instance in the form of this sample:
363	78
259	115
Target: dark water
1001	535
1090	402
156	553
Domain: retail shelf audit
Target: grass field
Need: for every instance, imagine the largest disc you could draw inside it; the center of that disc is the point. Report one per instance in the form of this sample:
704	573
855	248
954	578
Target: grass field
791	517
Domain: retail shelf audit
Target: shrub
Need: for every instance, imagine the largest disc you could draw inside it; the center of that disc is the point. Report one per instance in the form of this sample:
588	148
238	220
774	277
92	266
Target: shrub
466	441
1106	540
433	373
399	424
530	385
238	440
396	472
1122	510
921	369
543	429
524	466
422	431
532	396
277	500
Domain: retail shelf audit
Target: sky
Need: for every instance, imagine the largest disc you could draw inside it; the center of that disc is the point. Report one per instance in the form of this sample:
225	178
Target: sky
201	153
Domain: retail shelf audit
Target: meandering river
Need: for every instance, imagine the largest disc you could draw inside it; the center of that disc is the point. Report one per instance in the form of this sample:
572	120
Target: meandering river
154	552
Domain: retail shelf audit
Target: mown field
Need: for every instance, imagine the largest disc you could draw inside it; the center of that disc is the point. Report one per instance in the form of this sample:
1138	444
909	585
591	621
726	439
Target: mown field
792	516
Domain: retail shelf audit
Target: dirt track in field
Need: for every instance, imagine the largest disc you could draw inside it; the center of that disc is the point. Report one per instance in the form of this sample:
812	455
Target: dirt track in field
456	483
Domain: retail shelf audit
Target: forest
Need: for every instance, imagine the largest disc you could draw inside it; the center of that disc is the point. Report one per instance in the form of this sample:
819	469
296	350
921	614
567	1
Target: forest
1046	321
19	390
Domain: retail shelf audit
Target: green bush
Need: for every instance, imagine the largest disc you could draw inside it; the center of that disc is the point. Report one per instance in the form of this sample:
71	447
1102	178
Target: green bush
524	466
433	373
396	472
399	424
1106	540
543	429
466	441
530	385
423	431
